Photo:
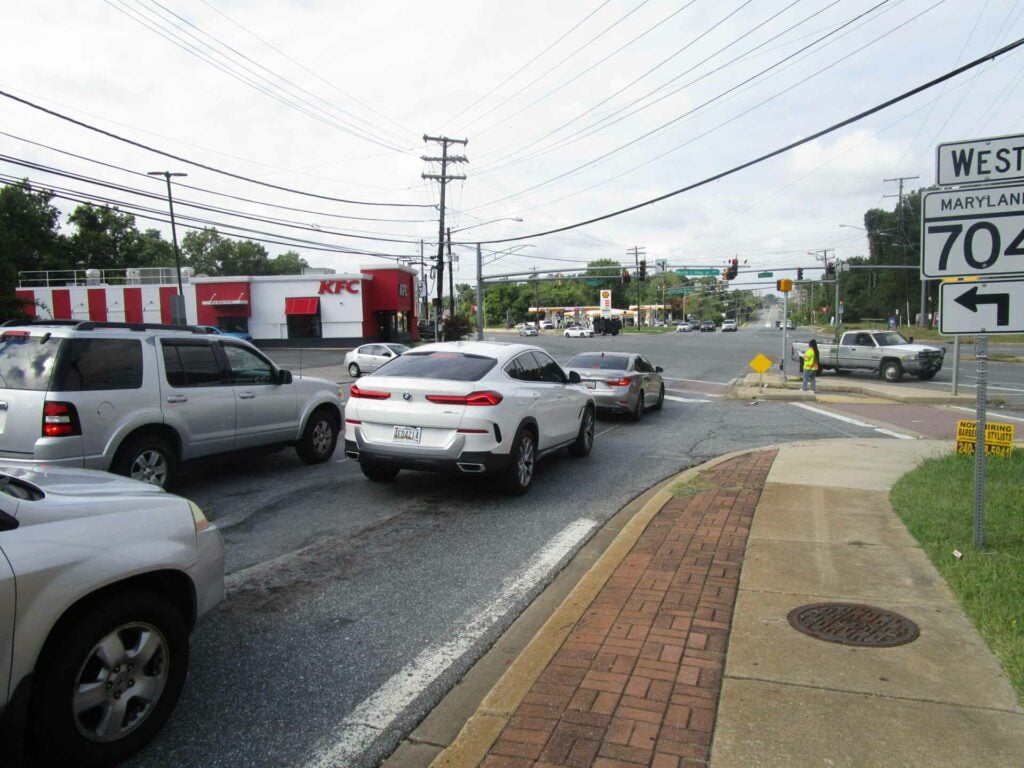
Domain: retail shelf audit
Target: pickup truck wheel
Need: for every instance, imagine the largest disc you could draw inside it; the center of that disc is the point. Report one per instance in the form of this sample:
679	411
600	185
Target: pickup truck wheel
927	375
319	437
109	681
892	371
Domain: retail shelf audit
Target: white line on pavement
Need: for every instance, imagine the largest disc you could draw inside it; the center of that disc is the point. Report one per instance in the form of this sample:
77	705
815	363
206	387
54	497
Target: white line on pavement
377	713
693	392
686	399
991	414
699	381
855	422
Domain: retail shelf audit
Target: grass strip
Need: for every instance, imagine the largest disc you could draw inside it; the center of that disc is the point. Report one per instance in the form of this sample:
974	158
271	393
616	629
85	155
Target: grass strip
936	502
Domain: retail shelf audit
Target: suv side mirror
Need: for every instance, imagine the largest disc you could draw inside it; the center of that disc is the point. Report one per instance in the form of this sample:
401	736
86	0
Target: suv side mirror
7	522
574	378
658	369
283	377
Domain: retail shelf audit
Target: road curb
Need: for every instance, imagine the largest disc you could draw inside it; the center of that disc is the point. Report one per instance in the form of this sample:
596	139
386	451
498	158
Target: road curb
483	727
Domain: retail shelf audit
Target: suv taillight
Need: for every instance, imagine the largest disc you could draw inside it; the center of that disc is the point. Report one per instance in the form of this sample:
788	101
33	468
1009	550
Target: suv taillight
473	398
60	420
369	394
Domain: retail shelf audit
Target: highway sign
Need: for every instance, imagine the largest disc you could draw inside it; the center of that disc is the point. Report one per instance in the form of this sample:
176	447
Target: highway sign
679	291
766	274
595	281
991	306
698	272
661	266
971	232
993	160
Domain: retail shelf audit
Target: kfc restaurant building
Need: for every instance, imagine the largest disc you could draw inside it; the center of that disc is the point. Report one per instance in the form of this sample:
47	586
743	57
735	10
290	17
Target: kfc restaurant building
312	309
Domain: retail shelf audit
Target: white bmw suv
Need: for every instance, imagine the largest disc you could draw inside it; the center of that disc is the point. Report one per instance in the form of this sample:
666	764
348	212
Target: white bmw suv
467	407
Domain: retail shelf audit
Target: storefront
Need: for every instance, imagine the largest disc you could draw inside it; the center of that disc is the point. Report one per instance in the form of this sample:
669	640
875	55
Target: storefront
312	310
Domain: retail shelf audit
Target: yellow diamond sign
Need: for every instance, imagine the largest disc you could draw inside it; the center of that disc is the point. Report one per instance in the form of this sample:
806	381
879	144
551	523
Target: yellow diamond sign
761	364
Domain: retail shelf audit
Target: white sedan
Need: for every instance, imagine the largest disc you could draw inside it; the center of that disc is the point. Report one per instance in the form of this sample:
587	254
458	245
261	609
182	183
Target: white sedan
369	357
467	407
578	332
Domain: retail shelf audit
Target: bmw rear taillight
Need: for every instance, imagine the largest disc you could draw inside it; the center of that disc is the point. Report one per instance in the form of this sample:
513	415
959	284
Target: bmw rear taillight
486	397
60	420
368	394
625	381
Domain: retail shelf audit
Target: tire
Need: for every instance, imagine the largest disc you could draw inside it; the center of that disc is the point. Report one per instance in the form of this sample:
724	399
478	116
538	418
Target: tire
661	399
519	475
927	375
78	693
585	438
148	458
379	473
353	370
319	438
891	371
639	412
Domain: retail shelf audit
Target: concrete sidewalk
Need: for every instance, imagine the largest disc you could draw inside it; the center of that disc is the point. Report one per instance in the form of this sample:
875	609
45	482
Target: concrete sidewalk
673	646
773	386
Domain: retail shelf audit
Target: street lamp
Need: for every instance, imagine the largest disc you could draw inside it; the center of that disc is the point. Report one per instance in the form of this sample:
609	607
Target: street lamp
178	302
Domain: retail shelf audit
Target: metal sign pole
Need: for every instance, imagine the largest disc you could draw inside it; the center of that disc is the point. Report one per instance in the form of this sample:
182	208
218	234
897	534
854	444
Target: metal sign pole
956	364
981	344
785	332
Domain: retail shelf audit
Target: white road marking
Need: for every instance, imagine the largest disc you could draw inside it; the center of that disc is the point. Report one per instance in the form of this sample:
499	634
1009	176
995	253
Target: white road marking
686	399
991	414
855	422
698	381
692	392
377	713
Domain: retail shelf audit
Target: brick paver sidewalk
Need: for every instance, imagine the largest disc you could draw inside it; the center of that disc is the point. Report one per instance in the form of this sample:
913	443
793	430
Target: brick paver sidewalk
637	681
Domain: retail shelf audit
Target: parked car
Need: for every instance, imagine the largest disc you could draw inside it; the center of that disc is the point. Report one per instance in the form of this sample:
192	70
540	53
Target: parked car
577	332
137	399
426	329
707	325
527	330
220	332
101	581
621	382
547	325
884	353
683	327
728	326
369	357
467	407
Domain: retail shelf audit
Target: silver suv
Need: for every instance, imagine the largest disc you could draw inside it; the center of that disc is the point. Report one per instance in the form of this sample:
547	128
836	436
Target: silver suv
138	399
101	581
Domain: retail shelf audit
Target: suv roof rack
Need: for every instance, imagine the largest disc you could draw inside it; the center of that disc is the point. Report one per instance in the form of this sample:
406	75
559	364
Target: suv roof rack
92	325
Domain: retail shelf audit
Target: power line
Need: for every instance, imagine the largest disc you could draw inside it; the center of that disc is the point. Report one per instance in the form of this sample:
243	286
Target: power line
197	164
781	150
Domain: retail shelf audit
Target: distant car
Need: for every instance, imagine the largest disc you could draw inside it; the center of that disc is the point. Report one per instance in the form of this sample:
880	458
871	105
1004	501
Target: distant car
683	327
426	329
220	332
102	579
527	330
728	325
547	325
621	382
578	332
369	357
468	407
707	325
790	326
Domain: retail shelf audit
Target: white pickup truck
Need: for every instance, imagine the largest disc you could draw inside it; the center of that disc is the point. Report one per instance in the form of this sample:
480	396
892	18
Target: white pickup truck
886	353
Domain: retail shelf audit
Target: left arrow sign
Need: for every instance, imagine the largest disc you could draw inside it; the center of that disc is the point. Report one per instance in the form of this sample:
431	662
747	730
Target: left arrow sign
972	299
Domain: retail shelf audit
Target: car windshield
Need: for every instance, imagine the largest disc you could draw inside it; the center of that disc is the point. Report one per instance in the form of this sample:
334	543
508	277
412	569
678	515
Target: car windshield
453	366
889	339
398	349
599	361
27	361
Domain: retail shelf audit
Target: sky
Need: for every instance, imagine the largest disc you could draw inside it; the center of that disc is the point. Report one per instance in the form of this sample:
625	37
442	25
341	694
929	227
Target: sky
302	124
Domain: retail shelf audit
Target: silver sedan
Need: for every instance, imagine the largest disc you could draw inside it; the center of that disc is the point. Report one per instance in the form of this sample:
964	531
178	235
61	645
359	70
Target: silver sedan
369	357
621	382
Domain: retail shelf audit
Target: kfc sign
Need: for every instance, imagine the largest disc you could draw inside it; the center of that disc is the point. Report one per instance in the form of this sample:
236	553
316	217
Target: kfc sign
338	286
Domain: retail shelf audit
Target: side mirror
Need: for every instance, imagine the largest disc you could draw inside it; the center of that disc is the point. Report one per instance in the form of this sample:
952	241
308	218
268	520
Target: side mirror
574	378
7	522
658	369
284	377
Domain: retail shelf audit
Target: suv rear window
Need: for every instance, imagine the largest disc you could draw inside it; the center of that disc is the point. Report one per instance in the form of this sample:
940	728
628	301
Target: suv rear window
99	364
453	366
26	361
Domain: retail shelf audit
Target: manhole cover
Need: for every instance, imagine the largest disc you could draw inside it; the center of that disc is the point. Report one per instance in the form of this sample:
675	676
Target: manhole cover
852	624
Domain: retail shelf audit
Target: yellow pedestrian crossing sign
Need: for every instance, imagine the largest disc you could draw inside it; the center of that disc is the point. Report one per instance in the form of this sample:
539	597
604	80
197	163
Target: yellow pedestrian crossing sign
761	364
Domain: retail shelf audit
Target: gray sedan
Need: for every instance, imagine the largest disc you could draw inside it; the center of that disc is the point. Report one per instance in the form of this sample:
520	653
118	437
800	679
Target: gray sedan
369	357
621	382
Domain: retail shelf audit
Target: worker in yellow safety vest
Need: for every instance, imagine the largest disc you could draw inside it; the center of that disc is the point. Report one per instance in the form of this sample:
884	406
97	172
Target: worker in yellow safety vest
811	364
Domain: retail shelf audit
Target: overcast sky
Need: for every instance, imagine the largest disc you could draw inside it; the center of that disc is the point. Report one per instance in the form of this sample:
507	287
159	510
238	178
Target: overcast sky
572	110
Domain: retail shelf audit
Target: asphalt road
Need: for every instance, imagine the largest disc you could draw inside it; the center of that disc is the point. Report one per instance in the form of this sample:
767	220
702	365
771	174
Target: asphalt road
354	606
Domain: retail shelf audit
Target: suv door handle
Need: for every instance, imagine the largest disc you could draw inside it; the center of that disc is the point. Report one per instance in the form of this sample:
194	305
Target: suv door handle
246	395
177	399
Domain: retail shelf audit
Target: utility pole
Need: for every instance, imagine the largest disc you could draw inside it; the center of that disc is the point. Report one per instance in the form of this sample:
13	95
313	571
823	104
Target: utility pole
637	253
479	293
444	178
903	242
451	276
424	293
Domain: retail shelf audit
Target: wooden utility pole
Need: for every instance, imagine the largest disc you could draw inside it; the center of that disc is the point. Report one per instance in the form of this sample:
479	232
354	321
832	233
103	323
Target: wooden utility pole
444	177
904	244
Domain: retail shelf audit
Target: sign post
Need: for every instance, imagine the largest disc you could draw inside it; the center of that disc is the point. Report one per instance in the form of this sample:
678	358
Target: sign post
981	352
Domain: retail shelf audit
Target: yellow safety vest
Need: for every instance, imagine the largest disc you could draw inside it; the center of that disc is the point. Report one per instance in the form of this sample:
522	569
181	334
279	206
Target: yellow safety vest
810	361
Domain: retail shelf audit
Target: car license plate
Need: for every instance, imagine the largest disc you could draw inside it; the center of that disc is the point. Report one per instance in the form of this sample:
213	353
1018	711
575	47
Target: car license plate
407	435
591	385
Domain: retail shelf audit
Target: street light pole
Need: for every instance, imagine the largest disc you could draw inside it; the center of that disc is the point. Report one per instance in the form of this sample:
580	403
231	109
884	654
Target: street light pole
178	302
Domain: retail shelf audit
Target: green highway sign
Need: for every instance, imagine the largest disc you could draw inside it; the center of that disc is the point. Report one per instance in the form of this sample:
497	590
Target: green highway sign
698	272
594	282
766	274
679	291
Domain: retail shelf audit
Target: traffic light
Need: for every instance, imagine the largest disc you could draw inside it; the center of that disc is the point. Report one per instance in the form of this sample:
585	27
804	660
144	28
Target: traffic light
830	269
642	274
625	276
799	273
734	269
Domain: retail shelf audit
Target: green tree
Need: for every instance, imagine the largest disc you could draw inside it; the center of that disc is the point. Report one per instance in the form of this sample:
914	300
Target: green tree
104	238
205	251
30	237
154	251
287	263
